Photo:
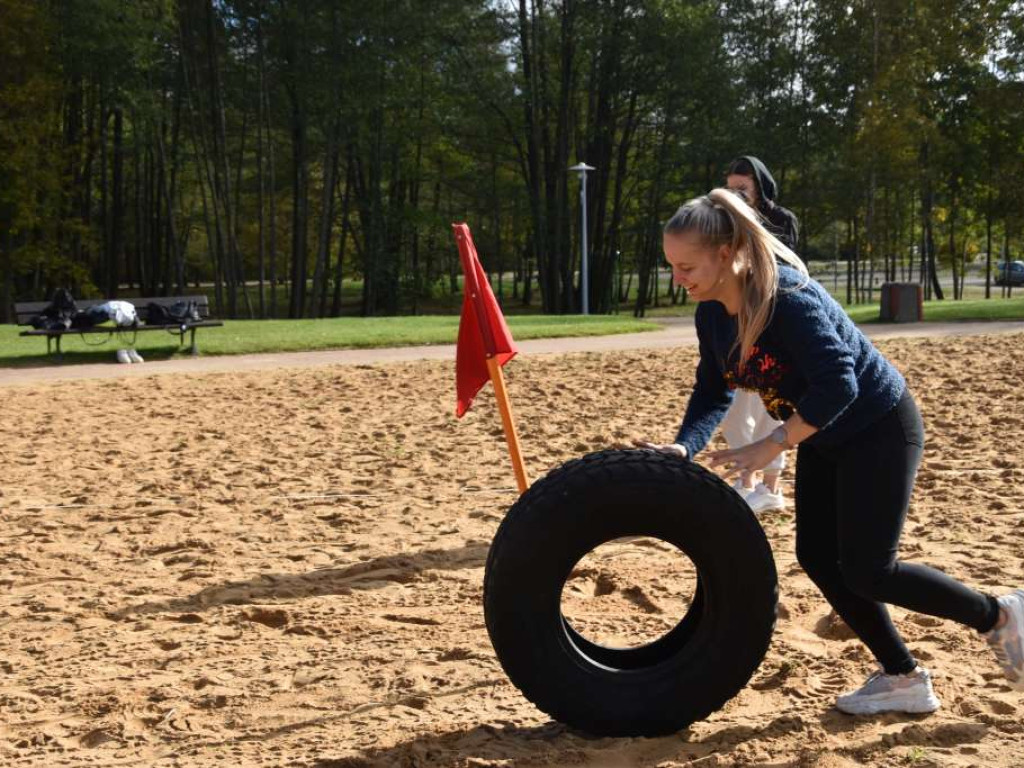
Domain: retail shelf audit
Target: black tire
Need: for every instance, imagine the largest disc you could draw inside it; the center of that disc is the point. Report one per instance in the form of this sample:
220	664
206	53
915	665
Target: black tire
679	678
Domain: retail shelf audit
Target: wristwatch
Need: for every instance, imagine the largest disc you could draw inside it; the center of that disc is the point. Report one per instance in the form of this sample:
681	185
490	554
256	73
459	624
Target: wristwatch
780	437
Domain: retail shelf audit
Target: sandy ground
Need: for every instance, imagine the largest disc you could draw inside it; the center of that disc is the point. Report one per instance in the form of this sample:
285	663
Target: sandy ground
284	568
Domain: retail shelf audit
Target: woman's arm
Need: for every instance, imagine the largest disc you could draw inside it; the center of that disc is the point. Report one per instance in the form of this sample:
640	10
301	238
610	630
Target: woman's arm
797	430
759	454
817	352
708	402
711	396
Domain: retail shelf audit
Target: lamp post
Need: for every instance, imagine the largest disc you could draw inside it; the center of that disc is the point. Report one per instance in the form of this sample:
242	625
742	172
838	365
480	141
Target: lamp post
582	169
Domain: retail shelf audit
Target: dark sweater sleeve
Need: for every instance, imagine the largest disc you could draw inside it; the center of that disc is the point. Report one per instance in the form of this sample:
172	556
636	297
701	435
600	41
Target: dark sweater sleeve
819	354
711	396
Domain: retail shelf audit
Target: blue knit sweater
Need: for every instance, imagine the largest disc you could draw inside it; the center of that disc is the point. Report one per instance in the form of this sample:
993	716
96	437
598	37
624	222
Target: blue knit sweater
811	358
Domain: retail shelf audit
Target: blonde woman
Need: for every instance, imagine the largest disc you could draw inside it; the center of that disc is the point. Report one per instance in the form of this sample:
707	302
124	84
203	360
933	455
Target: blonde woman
765	325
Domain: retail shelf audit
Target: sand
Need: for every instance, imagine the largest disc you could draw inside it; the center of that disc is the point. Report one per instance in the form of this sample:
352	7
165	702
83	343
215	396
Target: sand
284	568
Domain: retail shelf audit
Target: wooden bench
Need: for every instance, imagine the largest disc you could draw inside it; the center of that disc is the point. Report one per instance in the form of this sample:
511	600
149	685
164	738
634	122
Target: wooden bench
25	311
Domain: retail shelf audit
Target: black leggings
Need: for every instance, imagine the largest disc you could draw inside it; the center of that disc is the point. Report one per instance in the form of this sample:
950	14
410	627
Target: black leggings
851	502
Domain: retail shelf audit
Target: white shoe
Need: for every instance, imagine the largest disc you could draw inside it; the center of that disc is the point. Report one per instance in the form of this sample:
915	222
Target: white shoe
742	490
891	693
761	499
1008	641
123	356
135	356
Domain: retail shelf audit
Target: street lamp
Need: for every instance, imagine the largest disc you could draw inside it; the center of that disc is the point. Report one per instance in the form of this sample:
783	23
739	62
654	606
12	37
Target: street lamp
582	169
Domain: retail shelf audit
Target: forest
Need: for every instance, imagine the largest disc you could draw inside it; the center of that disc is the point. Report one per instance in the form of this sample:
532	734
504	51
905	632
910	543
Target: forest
306	158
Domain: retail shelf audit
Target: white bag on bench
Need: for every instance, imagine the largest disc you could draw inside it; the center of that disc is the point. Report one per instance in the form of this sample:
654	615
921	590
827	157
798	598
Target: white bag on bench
121	312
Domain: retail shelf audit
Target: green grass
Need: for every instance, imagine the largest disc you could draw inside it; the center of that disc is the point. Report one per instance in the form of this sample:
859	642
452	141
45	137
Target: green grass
952	311
239	337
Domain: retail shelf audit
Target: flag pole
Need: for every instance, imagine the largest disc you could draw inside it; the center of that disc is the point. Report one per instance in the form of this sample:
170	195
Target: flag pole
511	436
493	367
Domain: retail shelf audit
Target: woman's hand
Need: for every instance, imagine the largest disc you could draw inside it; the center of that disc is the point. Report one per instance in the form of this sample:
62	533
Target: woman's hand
675	449
749	458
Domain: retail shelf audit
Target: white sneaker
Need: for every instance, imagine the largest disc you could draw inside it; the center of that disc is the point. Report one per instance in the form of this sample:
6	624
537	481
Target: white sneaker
742	490
135	356
891	693
1008	641
123	356
761	499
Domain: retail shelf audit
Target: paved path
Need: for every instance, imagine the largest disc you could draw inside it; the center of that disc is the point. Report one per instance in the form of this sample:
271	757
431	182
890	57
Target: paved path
676	332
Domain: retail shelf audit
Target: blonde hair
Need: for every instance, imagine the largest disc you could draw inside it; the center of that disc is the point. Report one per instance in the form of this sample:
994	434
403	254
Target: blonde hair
722	217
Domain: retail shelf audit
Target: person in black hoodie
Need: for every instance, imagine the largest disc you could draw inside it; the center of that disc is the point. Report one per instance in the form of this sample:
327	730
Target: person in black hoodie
747	421
750	176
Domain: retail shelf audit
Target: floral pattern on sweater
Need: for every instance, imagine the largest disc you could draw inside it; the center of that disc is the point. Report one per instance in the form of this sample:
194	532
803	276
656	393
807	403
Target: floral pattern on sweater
763	374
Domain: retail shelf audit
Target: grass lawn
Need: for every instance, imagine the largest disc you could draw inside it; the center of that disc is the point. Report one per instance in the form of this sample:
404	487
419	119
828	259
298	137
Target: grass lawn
951	311
239	337
934	311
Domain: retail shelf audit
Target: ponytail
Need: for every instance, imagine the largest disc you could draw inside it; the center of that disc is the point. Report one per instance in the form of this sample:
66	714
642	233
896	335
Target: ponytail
721	217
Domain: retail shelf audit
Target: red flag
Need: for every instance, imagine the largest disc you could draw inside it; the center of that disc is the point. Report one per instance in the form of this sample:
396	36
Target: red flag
482	329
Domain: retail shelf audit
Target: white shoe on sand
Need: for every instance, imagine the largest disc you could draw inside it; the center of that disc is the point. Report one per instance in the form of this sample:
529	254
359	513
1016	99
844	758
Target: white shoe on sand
135	356
1007	641
741	489
123	356
761	499
911	693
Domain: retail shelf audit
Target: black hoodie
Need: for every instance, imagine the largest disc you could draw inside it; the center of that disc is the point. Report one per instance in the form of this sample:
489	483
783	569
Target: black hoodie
781	221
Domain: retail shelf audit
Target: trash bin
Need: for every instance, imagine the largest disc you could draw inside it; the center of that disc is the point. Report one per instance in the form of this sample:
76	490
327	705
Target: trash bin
902	303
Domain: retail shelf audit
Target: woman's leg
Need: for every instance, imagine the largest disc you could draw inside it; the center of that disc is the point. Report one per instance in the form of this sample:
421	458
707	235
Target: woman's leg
875	479
738	425
817	498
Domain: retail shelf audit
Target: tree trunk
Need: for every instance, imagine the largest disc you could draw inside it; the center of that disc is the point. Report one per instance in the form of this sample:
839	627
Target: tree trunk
299	212
295	58
858	287
261	255
988	244
271	188
330	166
7	271
909	275
220	177
561	242
532	58
206	169
167	192
173	190
418	282
927	201
343	239
117	223
212	246
849	265
106	269
957	292
138	211
1007	285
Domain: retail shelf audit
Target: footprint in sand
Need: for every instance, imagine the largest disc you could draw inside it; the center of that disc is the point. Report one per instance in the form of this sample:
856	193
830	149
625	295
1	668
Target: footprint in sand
639	598
275	618
999	707
832	627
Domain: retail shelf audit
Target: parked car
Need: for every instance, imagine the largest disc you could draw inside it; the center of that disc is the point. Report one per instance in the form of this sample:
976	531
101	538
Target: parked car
1010	273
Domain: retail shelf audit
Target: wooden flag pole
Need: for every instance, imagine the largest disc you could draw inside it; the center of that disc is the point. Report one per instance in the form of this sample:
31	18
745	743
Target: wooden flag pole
511	437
